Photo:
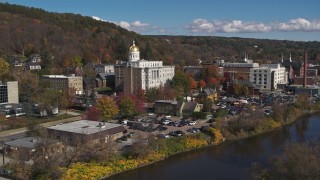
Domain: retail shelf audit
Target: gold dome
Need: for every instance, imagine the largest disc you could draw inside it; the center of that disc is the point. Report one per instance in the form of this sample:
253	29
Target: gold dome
133	48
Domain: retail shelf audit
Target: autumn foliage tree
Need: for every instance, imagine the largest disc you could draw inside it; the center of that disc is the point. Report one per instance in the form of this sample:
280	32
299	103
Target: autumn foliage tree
107	107
212	82
202	84
93	114
130	105
4	66
127	107
193	83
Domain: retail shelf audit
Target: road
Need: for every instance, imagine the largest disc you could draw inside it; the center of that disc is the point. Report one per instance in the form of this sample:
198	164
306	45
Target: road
20	132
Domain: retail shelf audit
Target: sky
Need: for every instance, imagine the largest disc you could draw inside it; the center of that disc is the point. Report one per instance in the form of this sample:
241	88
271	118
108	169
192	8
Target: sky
297	20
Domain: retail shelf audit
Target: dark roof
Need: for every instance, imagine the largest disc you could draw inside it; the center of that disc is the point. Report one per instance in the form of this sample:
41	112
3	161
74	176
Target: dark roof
34	64
229	99
88	80
208	91
287	63
189	106
102	75
26	142
166	102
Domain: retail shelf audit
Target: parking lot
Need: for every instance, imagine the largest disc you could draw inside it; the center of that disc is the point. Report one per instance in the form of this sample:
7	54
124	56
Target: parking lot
145	126
153	124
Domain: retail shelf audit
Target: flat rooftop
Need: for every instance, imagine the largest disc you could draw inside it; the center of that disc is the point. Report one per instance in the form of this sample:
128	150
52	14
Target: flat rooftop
85	127
27	142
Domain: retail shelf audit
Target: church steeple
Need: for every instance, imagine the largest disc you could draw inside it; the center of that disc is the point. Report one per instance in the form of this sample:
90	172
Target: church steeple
290	57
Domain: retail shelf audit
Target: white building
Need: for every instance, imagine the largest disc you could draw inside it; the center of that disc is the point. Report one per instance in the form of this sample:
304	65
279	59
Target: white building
135	74
9	92
267	76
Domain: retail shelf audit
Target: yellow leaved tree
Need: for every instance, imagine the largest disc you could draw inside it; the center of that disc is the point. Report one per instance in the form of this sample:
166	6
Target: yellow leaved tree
4	67
107	107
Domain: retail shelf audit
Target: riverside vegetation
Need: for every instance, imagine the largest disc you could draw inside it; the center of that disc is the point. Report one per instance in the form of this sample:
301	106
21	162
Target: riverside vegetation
245	125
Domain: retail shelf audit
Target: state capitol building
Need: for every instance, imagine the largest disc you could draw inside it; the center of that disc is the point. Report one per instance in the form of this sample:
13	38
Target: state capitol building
136	74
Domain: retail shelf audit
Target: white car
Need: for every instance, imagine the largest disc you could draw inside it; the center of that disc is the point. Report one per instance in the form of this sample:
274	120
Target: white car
150	114
168	116
192	123
165	122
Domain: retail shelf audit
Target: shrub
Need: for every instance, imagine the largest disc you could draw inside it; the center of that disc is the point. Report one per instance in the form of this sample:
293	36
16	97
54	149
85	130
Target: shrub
216	135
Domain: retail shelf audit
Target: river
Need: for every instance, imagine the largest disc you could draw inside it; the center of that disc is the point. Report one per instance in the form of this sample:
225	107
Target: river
231	160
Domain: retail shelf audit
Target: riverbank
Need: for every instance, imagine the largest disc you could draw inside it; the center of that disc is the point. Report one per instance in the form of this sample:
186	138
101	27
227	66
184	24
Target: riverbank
172	147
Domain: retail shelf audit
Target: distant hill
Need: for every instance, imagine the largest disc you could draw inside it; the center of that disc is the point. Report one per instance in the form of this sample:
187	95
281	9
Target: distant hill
27	30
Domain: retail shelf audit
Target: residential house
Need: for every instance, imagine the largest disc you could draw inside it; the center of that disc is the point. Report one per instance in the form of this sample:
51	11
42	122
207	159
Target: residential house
208	93
16	61
187	108
34	62
170	107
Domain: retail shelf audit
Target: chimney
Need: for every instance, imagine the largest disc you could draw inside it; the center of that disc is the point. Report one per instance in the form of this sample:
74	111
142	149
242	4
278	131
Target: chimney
305	70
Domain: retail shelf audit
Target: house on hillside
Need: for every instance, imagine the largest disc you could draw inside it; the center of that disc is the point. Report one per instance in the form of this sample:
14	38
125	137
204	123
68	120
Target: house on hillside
34	62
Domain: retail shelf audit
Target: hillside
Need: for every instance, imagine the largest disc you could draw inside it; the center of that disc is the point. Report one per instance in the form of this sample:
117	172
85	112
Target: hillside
27	30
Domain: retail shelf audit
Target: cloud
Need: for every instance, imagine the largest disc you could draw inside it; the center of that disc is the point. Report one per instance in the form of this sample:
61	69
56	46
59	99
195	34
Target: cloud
97	18
238	26
298	24
139	24
140	27
136	26
124	24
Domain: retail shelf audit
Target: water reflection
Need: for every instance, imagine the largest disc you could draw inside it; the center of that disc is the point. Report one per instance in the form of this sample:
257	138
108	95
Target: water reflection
231	160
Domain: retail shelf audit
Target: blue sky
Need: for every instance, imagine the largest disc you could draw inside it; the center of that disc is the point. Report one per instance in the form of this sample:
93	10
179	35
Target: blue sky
271	19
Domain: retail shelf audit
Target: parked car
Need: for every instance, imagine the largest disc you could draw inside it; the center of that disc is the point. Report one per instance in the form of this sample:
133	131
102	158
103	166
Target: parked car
165	122
174	123
176	133
192	123
193	130
161	128
203	128
168	116
163	136
150	114
211	120
183	123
